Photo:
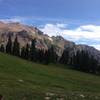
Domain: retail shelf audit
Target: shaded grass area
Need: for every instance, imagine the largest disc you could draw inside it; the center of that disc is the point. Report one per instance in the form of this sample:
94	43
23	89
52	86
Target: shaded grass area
23	80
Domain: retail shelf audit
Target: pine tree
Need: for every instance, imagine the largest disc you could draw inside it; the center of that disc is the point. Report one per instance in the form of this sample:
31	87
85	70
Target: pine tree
33	50
16	47
9	46
52	55
65	57
27	51
46	57
40	55
23	53
93	65
76	60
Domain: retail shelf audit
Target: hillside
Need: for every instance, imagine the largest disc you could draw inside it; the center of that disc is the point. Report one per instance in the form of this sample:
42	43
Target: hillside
23	80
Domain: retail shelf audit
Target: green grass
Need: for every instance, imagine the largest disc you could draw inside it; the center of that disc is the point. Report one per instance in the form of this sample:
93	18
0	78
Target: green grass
24	80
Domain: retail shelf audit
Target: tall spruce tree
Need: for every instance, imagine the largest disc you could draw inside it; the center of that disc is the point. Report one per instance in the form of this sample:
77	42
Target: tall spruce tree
9	45
27	51
23	53
46	57
52	55
93	65
16	47
40	55
33	50
65	57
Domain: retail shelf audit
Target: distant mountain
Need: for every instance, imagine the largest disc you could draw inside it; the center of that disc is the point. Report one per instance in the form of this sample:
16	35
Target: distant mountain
26	33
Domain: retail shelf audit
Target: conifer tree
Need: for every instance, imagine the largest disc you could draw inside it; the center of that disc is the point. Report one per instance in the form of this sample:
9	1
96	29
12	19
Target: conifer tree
52	55
65	57
23	53
33	50
27	51
16	47
46	57
9	46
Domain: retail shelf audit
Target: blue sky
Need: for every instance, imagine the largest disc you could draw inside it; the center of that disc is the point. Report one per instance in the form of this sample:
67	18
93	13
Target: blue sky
86	11
76	20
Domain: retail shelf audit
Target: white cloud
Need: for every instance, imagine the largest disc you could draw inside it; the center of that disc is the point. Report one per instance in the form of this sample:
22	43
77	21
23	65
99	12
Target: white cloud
11	20
82	34
14	19
85	32
51	29
61	25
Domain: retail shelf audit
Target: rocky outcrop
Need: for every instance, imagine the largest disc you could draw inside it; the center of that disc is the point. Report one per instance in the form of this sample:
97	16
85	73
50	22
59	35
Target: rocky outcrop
26	33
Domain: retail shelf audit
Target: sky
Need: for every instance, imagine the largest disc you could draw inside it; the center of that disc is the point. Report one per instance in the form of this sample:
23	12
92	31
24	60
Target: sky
75	20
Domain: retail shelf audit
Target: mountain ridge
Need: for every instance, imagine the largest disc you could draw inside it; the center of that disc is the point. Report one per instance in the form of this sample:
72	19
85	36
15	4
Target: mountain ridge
26	33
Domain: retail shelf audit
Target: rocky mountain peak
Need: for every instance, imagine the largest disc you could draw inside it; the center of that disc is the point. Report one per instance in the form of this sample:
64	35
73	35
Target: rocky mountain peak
26	33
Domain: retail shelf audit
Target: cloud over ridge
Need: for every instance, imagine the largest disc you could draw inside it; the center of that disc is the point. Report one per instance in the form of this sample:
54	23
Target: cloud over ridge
85	34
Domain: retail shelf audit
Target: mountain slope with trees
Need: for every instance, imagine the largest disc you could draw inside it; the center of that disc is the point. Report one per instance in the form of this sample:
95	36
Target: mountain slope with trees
31	44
